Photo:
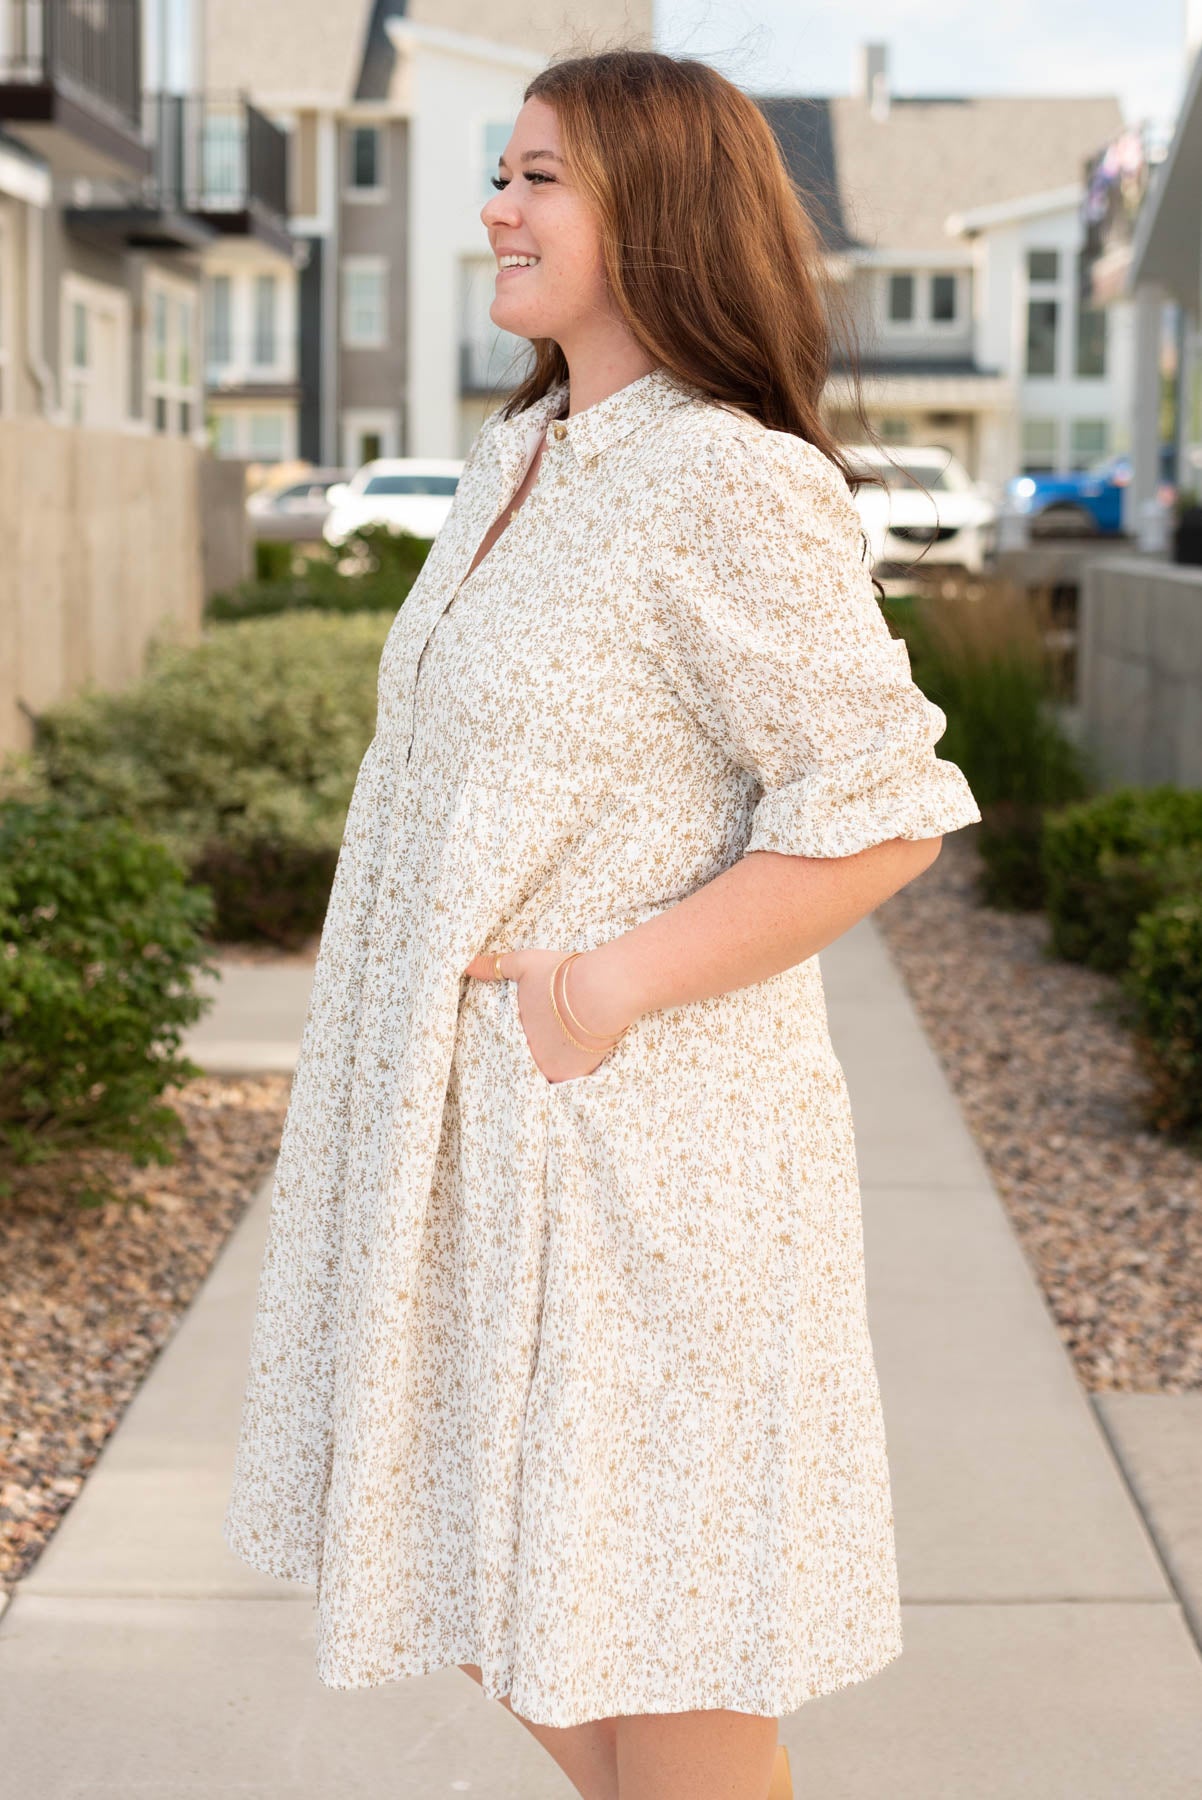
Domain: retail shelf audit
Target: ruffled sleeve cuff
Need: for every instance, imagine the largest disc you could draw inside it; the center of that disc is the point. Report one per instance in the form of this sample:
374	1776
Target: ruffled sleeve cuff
850	804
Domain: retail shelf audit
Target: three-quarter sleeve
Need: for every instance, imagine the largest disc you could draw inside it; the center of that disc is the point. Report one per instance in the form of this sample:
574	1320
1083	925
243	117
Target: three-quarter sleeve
772	636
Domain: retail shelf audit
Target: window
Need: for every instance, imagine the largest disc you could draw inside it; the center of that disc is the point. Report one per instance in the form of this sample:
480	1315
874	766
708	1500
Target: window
943	299
220	350
496	136
363	303
364	163
1042	316
263	352
1039	448
1089	440
79	335
184	345
159	335
172	379
894	430
1091	336
406	484
1043	265
266	437
367	434
225	434
901	298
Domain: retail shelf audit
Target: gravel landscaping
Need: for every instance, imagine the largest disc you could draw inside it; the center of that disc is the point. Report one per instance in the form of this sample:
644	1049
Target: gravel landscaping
1109	1214
89	1296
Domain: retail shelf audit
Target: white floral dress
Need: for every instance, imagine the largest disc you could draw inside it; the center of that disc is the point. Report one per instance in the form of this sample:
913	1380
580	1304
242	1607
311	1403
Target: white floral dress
574	1380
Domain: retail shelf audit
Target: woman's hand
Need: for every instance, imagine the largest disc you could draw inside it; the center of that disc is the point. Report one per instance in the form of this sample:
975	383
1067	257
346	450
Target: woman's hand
553	1054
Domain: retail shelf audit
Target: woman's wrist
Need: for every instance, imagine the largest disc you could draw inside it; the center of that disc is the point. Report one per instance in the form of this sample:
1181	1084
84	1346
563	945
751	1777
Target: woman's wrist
600	990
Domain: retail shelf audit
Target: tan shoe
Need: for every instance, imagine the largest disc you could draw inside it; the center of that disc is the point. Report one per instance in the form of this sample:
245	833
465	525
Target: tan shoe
781	1787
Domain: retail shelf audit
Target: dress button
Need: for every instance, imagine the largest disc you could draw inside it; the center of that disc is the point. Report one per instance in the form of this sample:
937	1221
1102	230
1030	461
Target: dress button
560	431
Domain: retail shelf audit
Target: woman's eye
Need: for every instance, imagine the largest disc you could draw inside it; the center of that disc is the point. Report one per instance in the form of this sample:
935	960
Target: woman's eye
500	181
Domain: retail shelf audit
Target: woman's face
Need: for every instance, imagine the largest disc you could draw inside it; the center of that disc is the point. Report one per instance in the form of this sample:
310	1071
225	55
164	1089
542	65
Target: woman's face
537	211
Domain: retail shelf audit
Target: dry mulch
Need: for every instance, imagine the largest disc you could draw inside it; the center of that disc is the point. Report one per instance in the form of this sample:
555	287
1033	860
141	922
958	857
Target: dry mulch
1108	1212
90	1295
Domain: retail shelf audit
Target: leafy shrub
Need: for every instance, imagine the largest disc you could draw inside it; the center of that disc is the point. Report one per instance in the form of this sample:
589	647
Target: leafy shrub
373	572
99	943
1112	858
239	753
985	661
1164	981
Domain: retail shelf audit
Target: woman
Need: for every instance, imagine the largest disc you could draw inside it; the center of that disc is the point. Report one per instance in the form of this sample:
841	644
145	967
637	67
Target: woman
561	1369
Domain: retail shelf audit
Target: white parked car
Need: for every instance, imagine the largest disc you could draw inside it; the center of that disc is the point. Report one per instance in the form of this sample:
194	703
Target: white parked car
953	522
406	493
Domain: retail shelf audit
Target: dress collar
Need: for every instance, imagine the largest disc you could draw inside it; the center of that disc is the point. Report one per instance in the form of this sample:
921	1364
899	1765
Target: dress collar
590	432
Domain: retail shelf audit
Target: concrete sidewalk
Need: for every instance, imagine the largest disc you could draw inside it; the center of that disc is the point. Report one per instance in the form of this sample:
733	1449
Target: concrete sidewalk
1047	1653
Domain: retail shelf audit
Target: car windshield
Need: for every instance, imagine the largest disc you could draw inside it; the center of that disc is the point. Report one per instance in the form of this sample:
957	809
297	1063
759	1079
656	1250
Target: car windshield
411	484
889	475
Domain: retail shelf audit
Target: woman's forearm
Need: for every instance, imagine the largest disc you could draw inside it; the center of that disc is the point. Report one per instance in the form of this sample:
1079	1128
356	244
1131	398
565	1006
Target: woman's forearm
763	914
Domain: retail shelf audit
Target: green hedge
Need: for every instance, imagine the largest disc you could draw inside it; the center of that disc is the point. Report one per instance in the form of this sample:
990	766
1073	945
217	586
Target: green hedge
100	939
1164	982
239	753
373	572
1112	858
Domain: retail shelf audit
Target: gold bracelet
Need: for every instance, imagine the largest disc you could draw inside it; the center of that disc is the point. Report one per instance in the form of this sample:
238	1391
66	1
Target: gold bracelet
578	1023
587	1048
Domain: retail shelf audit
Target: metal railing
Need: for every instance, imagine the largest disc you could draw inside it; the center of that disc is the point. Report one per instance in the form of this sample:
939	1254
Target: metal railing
92	48
216	153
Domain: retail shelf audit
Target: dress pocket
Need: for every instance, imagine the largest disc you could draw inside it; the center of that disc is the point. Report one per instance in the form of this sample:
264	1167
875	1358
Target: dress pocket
511	1014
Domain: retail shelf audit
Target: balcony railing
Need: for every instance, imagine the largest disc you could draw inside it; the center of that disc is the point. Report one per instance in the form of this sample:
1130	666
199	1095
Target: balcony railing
91	49
216	154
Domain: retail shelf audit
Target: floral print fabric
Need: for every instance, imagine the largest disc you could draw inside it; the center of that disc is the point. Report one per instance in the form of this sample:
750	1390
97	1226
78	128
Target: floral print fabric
574	1380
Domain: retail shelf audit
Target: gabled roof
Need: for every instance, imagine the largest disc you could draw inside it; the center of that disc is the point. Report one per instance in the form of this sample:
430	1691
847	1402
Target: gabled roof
891	183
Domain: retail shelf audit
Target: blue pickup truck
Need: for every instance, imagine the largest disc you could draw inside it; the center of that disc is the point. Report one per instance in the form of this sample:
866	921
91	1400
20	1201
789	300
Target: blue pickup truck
1085	503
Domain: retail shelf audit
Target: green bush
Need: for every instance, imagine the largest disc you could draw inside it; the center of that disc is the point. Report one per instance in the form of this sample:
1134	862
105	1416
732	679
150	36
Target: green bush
1110	859
1164	981
984	661
100	939
373	572
239	753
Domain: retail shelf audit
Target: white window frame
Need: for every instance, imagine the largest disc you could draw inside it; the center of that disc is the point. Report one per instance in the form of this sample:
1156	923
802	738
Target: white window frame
235	420
172	391
356	419
359	265
370	196
95	297
923	322
214	369
254	282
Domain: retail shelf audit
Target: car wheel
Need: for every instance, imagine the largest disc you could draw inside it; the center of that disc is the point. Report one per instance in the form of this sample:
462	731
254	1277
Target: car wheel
1064	520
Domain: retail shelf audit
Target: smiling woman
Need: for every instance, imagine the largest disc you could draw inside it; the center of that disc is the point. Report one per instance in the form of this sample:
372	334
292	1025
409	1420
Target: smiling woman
561	1369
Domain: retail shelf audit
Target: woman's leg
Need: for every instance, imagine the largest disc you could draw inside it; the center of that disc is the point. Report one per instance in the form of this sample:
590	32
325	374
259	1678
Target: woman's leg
587	1754
712	1755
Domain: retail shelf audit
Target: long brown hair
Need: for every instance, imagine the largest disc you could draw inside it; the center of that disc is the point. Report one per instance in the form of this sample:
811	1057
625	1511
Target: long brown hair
711	251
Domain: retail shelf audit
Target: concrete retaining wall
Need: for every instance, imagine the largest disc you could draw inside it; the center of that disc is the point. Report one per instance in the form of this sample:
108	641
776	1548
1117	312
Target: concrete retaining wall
1140	670
100	547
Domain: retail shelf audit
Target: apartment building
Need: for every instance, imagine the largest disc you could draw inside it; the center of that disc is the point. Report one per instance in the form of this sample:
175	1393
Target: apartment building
121	173
395	116
952	225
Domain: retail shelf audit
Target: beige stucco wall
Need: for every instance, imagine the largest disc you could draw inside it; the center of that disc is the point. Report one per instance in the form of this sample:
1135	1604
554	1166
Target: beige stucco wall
100	546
